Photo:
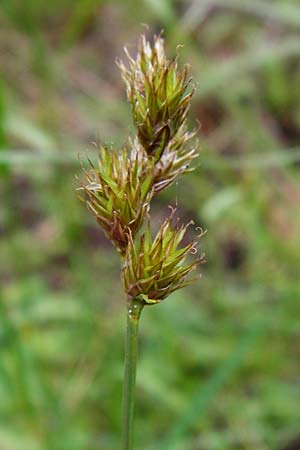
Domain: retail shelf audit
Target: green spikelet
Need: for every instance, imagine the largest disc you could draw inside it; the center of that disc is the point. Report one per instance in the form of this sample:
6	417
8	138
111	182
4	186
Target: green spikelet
159	95
153	269
117	192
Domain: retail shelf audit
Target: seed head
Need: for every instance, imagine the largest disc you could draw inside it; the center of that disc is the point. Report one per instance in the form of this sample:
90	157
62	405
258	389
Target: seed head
158	93
117	192
153	269
119	188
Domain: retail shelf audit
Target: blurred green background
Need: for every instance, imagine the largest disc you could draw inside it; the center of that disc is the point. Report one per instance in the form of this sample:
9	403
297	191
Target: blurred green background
219	362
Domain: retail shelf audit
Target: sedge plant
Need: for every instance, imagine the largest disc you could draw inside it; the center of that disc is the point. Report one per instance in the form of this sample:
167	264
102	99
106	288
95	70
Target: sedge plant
118	190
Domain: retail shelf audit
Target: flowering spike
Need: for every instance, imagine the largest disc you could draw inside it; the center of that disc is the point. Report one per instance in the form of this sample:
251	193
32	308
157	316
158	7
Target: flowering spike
117	192
161	267
159	93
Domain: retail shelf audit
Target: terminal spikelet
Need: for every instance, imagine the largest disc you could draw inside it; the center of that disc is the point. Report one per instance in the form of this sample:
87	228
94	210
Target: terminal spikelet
159	93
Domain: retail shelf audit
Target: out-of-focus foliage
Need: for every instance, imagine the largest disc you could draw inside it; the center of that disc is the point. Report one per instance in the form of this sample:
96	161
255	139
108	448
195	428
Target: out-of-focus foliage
219	363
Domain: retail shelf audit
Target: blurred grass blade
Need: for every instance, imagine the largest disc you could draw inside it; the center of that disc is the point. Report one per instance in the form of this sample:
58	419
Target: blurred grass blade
283	12
3	167
27	157
163	9
82	15
26	131
218	74
218	204
278	158
201	400
21	372
286	13
2	116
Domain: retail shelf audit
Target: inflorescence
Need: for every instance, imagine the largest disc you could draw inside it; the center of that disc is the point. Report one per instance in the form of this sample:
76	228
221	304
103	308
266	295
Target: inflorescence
118	188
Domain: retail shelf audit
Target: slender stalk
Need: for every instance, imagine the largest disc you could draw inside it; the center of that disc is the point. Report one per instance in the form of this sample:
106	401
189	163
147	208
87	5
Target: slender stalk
133	315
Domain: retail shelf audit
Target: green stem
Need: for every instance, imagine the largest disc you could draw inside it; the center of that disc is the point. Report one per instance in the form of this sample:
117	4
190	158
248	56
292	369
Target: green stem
133	315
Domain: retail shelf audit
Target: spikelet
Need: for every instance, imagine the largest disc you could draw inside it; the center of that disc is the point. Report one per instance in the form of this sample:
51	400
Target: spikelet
159	95
117	192
175	160
153	269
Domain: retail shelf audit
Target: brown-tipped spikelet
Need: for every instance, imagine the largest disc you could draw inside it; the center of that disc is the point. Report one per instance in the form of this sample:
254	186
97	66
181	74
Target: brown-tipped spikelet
175	160
158	93
153	269
117	192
